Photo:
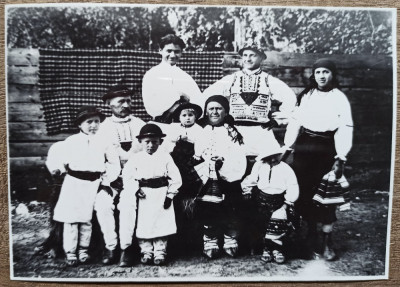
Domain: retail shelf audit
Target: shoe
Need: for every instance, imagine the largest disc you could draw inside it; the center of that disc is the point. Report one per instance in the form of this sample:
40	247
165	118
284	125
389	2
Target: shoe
231	251
328	253
71	260
159	261
266	256
146	259
84	258
211	253
125	259
278	256
108	257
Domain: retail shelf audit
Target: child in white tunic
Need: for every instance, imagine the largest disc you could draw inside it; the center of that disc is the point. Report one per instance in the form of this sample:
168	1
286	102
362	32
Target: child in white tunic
83	160
273	185
153	174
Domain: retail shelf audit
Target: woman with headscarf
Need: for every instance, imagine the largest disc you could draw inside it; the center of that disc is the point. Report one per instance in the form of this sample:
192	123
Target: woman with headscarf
322	127
223	168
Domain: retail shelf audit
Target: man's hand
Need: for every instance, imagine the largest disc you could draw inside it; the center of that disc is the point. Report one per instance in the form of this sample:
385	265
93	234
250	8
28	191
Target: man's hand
338	168
167	202
107	189
140	193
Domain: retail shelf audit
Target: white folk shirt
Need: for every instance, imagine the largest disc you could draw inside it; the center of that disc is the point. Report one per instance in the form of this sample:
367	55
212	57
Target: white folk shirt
321	111
266	86
153	220
217	142
280	179
163	85
114	131
82	152
176	131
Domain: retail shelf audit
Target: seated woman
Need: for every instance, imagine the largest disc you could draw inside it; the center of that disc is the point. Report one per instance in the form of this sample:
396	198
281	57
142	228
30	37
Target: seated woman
223	168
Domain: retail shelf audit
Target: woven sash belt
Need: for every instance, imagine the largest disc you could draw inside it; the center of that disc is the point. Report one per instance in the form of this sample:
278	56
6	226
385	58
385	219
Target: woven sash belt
84	175
326	135
154	182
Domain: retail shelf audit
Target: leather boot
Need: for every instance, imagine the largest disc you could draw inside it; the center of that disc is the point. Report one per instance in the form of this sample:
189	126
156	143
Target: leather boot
329	254
125	258
312	241
108	257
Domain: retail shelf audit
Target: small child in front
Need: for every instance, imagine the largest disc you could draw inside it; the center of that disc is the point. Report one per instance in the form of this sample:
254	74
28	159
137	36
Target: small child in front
155	178
89	166
273	185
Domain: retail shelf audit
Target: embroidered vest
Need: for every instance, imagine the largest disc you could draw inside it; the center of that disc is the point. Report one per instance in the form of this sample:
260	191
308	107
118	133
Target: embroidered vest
250	97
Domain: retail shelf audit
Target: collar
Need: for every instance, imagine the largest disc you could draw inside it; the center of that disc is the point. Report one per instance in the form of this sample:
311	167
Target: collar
165	65
121	120
253	72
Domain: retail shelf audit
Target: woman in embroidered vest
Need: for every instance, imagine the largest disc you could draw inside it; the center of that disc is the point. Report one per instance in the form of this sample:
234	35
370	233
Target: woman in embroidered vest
223	167
322	128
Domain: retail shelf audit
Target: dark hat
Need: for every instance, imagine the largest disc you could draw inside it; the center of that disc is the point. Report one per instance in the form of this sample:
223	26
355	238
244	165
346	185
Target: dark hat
187	106
325	63
254	46
86	112
223	101
150	130
117	91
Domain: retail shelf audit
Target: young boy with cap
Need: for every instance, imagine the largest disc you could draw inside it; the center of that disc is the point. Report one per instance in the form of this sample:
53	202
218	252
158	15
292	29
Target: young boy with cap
153	175
273	186
83	160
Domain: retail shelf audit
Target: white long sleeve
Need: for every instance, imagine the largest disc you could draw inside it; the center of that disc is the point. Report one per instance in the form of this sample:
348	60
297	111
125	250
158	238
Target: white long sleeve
163	85
55	157
252	179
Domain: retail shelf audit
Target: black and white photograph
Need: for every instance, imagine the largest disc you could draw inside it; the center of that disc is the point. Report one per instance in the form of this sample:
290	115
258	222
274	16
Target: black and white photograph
184	143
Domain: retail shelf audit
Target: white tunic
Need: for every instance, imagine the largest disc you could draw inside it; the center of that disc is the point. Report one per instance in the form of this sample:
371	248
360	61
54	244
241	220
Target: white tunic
114	130
324	111
283	180
217	142
164	84
153	220
82	152
176	131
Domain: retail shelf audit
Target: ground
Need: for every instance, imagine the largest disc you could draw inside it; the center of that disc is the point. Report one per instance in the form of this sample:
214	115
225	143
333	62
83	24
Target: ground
359	240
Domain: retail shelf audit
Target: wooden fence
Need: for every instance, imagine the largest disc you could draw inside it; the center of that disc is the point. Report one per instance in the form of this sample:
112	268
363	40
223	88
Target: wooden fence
366	80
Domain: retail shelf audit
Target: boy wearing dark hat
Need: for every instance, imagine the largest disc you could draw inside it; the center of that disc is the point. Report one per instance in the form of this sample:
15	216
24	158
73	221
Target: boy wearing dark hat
165	85
118	131
83	160
153	175
273	185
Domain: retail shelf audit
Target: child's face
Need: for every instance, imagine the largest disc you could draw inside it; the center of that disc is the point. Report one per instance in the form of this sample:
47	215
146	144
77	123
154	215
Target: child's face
187	117
150	144
90	126
323	77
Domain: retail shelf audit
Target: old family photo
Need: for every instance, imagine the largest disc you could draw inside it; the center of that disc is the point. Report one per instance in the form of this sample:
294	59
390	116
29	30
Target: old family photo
198	143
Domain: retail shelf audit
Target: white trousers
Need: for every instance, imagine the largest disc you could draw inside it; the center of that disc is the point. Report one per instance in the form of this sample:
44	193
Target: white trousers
104	206
155	246
76	236
127	217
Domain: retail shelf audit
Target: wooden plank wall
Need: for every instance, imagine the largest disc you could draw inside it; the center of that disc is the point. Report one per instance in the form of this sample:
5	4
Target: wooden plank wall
366	80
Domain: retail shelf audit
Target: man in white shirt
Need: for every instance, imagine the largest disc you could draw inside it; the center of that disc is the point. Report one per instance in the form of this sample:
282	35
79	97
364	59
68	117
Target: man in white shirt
166	85
118	130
